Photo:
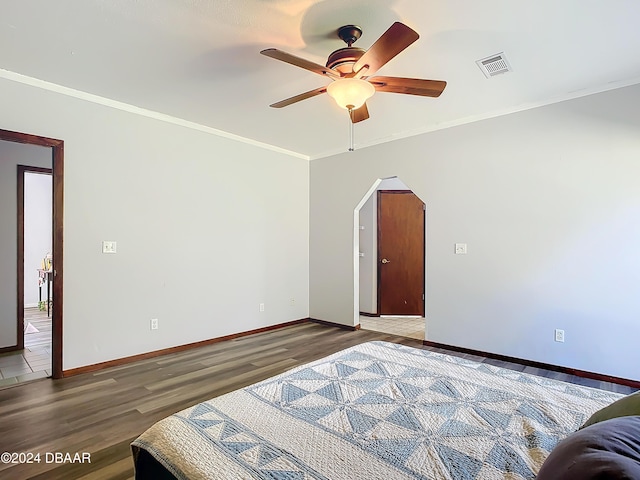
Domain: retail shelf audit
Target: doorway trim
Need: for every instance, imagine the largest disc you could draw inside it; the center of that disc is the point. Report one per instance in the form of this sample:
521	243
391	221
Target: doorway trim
356	250
22	170
57	148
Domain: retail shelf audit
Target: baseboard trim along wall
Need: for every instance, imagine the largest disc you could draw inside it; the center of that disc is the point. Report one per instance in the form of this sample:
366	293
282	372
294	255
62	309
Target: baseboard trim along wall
180	348
10	348
531	363
332	324
143	356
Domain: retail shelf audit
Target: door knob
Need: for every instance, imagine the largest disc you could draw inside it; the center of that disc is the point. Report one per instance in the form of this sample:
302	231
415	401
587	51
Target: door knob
384	260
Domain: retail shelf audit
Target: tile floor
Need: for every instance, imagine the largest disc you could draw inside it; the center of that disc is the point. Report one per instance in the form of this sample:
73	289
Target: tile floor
403	326
35	360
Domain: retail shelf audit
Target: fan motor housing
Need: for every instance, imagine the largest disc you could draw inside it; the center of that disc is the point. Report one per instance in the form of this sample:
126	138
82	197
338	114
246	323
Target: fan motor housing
342	60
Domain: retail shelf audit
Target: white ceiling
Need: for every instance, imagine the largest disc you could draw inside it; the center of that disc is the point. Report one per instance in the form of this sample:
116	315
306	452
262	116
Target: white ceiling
199	61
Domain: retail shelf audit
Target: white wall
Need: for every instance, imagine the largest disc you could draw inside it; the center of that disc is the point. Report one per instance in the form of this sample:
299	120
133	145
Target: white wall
368	244
37	231
12	155
206	228
549	205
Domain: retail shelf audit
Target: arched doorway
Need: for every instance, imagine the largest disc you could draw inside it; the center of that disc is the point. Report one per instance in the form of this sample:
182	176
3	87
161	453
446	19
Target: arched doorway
389	246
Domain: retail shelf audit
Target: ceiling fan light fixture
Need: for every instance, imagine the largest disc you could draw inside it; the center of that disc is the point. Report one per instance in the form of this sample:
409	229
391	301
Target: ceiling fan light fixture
350	93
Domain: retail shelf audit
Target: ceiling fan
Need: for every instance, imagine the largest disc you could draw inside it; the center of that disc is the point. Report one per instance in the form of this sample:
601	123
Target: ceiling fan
351	69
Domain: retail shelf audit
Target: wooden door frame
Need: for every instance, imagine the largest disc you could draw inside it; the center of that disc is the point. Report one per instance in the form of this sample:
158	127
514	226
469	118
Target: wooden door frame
57	167
424	241
22	170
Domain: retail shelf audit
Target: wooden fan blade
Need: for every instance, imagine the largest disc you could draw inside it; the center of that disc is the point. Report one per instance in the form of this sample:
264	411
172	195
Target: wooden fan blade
299	62
410	86
360	114
391	43
297	98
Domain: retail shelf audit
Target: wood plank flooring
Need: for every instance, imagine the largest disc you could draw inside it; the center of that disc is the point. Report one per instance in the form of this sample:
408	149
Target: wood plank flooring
101	413
40	340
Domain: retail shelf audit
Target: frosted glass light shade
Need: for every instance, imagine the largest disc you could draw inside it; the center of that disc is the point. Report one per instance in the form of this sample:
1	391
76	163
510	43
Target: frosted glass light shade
350	92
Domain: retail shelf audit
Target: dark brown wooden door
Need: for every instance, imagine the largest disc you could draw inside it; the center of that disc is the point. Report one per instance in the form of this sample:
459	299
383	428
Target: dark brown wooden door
401	244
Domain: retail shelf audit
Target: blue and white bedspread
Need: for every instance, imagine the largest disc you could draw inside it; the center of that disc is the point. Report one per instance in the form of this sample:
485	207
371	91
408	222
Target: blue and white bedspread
376	411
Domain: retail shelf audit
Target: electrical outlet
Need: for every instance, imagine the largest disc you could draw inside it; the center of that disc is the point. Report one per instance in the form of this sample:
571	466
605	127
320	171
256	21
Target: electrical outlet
262	307
559	335
154	324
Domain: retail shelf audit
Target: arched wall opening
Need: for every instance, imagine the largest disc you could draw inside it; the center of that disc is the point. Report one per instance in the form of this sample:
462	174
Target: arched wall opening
389	255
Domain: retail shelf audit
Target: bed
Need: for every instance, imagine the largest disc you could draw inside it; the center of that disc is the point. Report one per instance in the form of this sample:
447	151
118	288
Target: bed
376	410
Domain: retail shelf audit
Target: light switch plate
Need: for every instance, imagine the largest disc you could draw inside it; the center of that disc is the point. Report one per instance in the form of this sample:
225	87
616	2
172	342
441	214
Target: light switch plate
461	249
108	246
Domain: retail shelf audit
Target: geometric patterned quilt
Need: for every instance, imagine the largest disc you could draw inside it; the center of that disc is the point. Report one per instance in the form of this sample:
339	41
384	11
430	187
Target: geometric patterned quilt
376	410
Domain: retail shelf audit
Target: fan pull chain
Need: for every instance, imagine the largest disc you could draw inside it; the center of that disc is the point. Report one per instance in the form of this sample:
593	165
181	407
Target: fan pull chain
351	129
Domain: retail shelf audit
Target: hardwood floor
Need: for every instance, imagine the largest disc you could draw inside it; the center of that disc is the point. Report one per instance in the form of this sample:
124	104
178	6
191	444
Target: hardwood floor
40	339
102	412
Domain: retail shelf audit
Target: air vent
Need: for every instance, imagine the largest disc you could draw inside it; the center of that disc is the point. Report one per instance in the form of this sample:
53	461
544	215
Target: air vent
494	65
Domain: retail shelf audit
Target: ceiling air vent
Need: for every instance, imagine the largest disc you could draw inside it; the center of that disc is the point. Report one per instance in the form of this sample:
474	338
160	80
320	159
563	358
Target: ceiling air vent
494	65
